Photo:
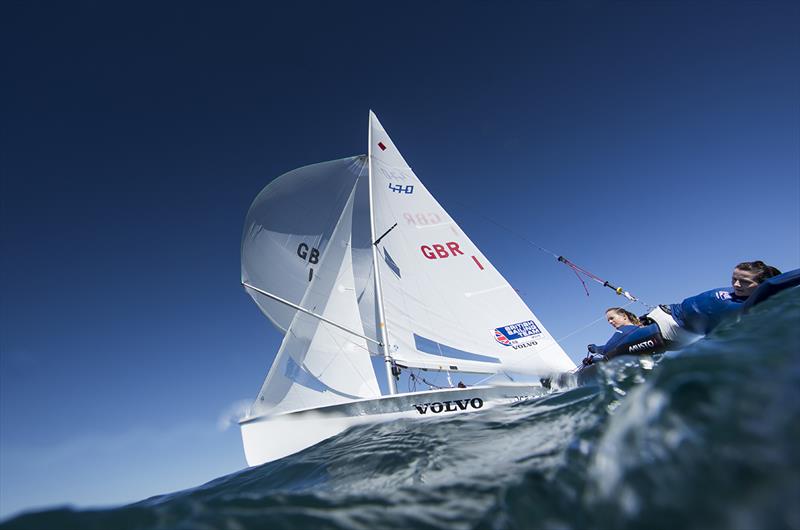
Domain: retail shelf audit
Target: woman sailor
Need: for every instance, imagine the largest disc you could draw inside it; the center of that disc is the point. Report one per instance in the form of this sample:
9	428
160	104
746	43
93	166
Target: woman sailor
624	322
683	323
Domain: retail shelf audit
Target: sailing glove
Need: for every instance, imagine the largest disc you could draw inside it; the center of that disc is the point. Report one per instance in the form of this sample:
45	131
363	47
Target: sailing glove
593	358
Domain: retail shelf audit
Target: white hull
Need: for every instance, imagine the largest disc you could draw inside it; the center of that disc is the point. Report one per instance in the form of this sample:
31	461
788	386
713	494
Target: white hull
267	438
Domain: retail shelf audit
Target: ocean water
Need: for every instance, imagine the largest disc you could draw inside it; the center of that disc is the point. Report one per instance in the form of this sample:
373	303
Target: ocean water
705	438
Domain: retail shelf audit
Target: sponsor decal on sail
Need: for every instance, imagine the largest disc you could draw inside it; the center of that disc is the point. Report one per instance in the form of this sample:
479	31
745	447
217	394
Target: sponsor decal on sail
519	335
502	339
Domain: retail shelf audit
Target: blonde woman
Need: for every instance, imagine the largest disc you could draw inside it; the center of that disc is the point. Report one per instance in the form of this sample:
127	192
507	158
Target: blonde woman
625	323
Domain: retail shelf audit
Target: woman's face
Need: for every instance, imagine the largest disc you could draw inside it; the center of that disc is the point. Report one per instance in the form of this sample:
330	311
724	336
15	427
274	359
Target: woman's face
617	319
743	282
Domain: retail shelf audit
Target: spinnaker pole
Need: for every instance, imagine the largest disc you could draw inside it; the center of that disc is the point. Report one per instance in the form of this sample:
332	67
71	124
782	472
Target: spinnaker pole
382	333
307	312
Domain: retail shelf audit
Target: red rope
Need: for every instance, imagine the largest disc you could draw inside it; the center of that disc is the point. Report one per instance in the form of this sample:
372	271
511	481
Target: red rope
575	270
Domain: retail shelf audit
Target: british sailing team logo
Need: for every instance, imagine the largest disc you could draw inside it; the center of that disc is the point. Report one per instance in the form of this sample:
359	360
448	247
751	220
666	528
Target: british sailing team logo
502	339
519	335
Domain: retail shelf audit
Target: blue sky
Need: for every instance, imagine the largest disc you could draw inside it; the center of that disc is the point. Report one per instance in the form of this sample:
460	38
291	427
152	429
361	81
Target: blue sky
655	144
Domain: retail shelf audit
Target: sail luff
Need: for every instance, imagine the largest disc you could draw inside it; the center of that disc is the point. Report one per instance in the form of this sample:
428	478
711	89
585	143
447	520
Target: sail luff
382	332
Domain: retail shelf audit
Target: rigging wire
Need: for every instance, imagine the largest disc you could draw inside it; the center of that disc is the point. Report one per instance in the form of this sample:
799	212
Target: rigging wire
413	377
605	283
575	268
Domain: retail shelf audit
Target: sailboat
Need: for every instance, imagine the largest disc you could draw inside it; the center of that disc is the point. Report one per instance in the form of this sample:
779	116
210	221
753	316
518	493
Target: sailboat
354	260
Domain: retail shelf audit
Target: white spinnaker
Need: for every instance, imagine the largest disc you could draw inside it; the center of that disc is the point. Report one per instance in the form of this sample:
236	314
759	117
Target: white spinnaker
287	230
443	299
319	364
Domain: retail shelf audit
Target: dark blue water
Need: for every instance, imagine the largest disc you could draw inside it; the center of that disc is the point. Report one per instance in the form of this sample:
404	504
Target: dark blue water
707	438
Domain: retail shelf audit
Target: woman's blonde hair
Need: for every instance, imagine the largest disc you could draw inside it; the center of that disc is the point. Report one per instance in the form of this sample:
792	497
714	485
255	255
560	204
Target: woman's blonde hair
625	313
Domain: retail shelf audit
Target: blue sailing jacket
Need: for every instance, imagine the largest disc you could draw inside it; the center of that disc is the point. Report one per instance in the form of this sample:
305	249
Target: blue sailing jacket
702	313
616	338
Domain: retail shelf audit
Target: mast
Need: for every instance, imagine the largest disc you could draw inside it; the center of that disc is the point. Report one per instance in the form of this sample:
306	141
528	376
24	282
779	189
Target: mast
382	334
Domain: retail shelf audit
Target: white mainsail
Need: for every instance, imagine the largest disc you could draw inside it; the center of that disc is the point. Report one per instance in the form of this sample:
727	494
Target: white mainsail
447	307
